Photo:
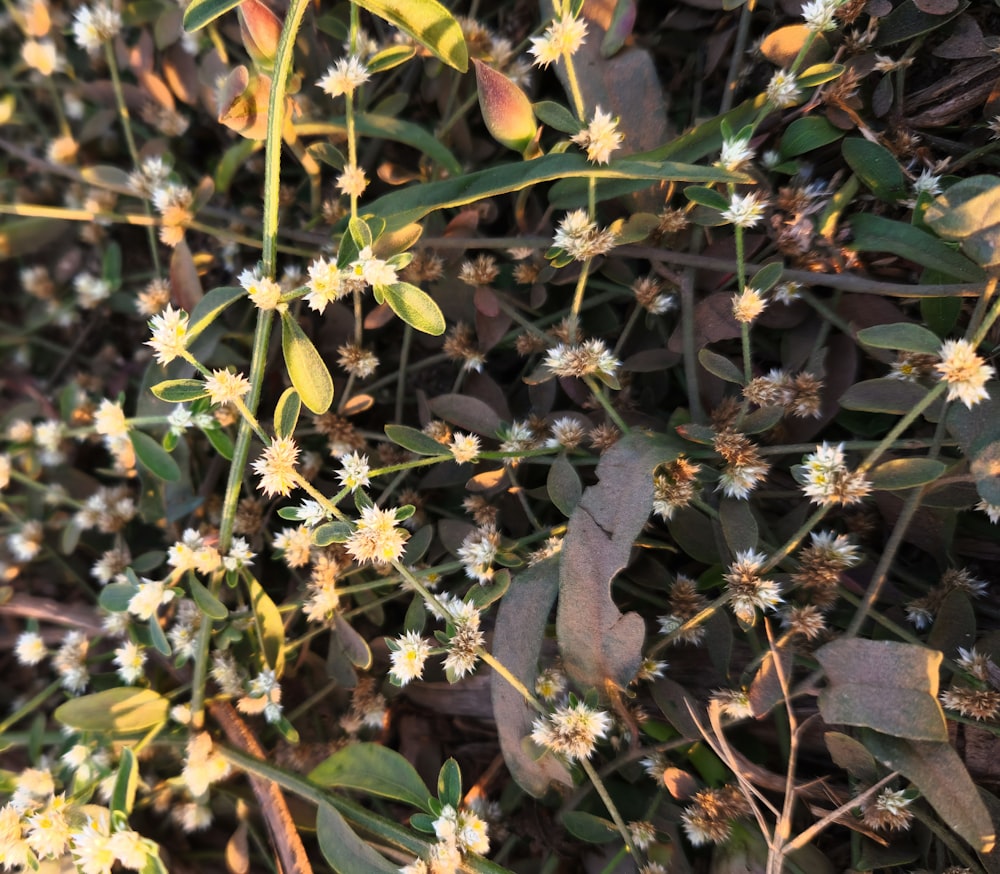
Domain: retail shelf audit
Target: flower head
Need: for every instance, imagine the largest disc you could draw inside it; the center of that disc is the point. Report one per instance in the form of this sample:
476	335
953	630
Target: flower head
748	589
109	420
95	25
169	339
818	14
783	89
464	448
600	138
224	386
377	538
352	182
748	304
344	76
745	210
354	471
325	283
826	479
736	152
276	467
265	293
408	654
563	37
580	238
965	372
572	731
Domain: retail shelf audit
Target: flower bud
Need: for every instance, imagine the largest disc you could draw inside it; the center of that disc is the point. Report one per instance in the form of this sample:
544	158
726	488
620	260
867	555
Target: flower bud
506	109
261	30
243	103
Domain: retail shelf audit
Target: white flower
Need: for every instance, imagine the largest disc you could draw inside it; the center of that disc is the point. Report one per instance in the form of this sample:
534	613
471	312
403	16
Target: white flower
130	659
169	339
95	25
344	76
745	210
965	372
408	654
464	448
818	14
783	89
264	292
562	37
109	420
354	471
572	731
600	138
30	648
735	153
152	593
927	183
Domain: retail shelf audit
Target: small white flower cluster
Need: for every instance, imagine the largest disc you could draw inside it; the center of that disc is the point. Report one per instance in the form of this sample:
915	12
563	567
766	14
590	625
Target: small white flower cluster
590	358
562	39
580	238
572	730
264	696
747	588
825	478
95	25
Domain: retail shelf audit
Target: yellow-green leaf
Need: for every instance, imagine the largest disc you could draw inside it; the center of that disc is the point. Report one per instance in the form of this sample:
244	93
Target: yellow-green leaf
121	710
306	368
415	307
270	627
428	22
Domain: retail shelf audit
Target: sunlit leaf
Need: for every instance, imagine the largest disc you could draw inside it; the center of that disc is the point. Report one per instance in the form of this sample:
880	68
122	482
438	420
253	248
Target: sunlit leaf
121	710
306	368
375	769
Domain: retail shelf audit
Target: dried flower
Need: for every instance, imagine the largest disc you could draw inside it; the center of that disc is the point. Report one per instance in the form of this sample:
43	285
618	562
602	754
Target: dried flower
889	811
591	358
748	304
674	487
580	238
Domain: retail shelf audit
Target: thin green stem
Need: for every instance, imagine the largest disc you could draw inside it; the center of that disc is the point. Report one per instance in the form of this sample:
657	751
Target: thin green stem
609	803
123	113
602	399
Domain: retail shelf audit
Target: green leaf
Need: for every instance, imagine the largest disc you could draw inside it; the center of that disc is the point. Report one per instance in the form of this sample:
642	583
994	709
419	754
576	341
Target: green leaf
332	532
360	232
306	368
901	335
806	134
941	776
156	636
720	366
375	769
345	852
154	457
706	197
889	686
202	12
233	160
123	795
429	23
908	21
449	786
906	473
115	596
876	167
563	485
220	442
210	307
328	154
270	627
556	116
415	307
211	606
414	440
818	74
411	204
589	828
768	276
883	396
482	595
873	233
121	710
286	413
969	211
180	391
389	58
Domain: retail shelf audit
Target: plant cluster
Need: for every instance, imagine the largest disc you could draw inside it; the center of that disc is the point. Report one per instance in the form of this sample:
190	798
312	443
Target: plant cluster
498	394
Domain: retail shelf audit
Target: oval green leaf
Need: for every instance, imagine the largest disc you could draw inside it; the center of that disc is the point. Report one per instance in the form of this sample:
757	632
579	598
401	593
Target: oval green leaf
563	485
202	12
286	413
901	335
706	197
389	58
415	307
720	366
345	852
208	309
375	769
211	606
806	134
332	532
876	167
306	368
152	456
450	784
121	710
414	440
906	473
180	391
270	627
